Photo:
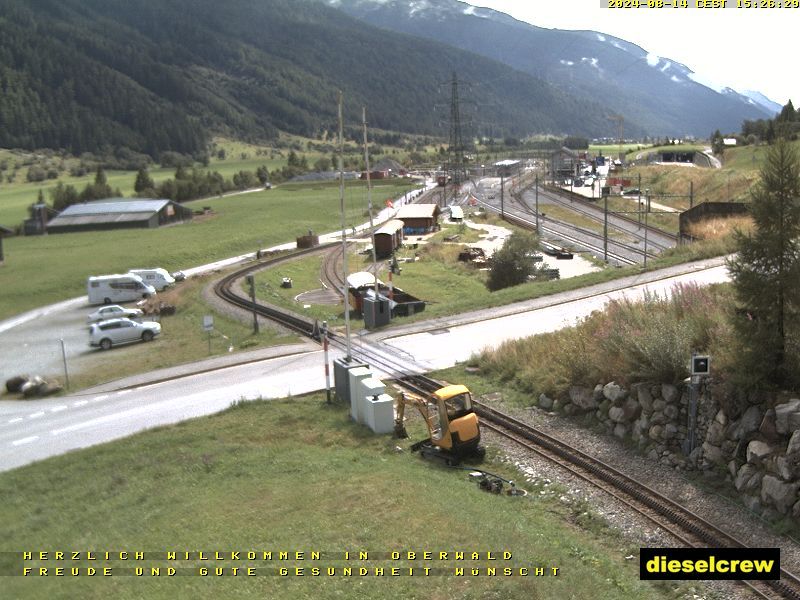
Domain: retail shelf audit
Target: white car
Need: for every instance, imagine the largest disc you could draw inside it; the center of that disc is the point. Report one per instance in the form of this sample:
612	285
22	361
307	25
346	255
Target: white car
113	311
122	331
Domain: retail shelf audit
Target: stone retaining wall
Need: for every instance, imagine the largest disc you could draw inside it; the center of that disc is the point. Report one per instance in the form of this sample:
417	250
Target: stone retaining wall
758	451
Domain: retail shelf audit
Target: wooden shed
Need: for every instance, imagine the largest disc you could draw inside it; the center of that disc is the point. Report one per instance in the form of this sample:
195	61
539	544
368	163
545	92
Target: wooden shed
388	238
419	218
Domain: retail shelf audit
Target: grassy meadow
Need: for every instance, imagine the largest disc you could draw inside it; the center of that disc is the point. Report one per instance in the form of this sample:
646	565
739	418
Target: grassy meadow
40	270
298	475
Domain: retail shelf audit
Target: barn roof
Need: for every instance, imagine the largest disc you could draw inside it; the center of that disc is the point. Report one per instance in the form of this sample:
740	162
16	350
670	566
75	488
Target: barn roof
390	227
417	211
114	206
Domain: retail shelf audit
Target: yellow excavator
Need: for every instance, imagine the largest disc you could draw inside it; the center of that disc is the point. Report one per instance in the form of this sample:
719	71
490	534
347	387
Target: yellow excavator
451	420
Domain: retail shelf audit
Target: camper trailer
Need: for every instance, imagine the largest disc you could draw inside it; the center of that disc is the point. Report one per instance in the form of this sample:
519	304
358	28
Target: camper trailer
157	277
110	289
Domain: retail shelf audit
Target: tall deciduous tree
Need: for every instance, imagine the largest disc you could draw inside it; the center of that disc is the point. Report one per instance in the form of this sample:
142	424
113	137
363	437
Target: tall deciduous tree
766	274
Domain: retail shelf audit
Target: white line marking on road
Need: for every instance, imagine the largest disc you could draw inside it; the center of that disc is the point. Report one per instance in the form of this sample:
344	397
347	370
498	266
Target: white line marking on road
17	420
123	392
26	440
99	398
36	415
80	403
59	408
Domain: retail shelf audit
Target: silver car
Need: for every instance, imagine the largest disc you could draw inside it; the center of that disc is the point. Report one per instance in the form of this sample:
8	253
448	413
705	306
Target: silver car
113	311
122	331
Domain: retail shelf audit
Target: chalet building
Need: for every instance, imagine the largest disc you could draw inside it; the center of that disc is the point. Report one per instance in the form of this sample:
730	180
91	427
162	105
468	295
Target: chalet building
419	218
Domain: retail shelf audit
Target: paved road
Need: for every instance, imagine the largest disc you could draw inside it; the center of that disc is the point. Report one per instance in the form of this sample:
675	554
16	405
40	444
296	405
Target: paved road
33	430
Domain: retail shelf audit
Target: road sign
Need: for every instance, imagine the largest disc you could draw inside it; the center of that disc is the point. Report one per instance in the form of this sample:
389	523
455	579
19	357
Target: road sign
208	323
701	365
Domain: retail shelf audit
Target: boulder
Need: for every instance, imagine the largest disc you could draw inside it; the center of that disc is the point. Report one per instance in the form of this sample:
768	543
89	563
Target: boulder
715	433
767	427
670	431
750	421
713	454
14	384
757	451
616	414
632	409
671	412
788	467
721	417
620	430
612	391
644	397
655	432
781	495
748	478
670	393
793	447
597	393
787	416
545	402
582	398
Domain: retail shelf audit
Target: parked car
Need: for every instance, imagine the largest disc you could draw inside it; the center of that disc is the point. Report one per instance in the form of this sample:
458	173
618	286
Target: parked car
122	331
113	311
631	192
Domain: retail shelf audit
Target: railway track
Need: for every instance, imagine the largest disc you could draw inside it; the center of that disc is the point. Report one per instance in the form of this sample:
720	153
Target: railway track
660	240
689	528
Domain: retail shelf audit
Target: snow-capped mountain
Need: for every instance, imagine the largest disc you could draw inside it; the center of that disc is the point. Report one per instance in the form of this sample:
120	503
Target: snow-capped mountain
656	95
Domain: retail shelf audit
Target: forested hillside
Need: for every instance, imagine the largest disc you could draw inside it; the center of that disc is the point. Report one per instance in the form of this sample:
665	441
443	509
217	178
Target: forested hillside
87	75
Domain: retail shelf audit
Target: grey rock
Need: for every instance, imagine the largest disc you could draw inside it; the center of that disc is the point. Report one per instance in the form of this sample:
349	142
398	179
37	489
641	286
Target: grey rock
715	433
733	468
788	467
658	418
655	432
670	393
721	417
748	478
757	451
597	393
669	431
713	454
779	494
750	421
616	414
658	405
767	427
793	447
582	398
787	416
620	430
671	412
632	409
614	392
644	397
545	402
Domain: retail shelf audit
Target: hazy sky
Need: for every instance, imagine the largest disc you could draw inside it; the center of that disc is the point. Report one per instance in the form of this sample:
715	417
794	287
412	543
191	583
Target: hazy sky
753	49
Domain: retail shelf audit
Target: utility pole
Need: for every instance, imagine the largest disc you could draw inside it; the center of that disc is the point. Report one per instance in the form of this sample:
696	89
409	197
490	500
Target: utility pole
536	195
502	190
605	228
345	290
369	205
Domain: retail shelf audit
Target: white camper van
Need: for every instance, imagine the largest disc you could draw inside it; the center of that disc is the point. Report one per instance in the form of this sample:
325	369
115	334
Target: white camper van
157	277
108	289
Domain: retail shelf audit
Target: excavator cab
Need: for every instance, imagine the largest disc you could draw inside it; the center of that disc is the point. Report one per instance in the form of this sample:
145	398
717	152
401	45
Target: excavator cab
451	420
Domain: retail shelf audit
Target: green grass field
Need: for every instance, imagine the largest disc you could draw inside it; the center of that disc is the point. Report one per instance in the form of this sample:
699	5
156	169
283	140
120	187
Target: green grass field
297	476
40	270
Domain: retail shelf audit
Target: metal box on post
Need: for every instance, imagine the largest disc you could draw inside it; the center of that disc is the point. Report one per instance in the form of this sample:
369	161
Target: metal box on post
376	312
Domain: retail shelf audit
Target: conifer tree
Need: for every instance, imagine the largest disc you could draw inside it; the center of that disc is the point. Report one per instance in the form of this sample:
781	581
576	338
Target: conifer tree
766	275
